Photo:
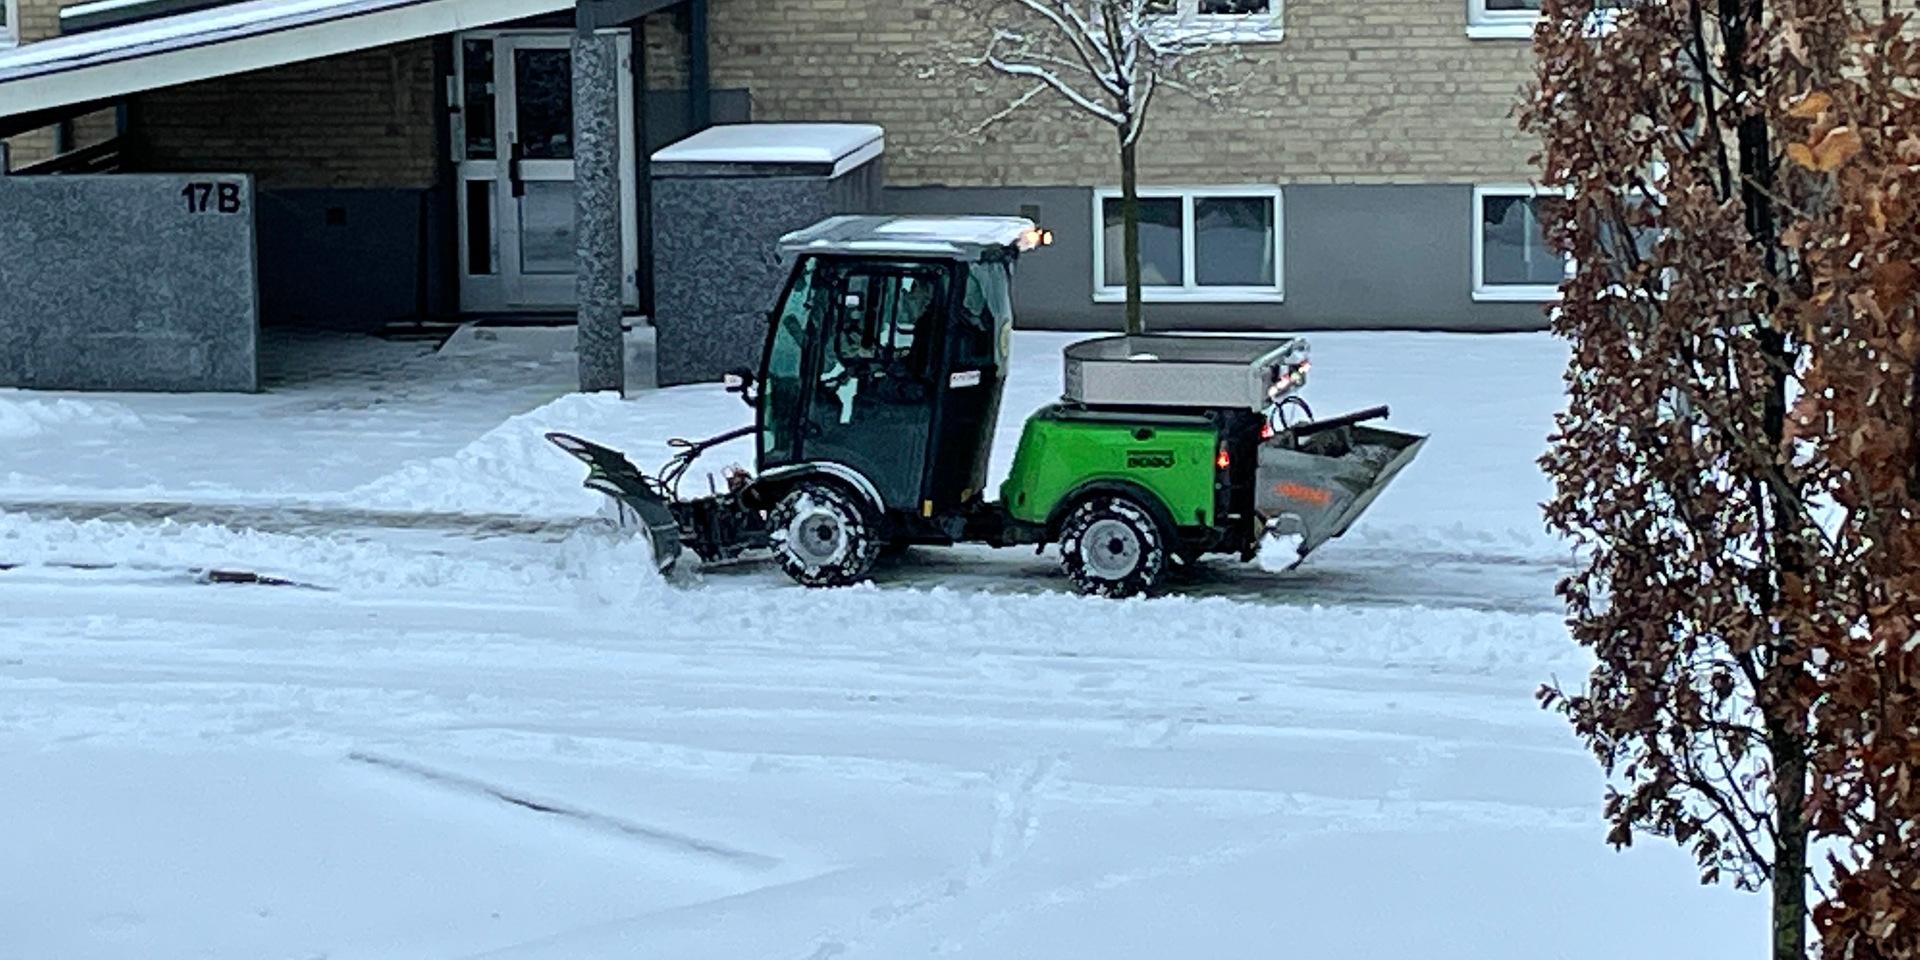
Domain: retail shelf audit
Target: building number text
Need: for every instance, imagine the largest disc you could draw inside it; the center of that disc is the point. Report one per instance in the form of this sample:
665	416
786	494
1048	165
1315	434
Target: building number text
203	196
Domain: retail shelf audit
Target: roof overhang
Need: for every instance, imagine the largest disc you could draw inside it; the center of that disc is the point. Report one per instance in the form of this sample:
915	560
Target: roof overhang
105	65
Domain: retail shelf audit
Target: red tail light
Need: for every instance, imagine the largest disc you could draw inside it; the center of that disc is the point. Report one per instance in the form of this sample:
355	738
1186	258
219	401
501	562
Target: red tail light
1224	460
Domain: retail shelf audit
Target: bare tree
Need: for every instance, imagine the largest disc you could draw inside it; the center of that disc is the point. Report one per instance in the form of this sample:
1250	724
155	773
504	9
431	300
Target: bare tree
1109	59
1737	457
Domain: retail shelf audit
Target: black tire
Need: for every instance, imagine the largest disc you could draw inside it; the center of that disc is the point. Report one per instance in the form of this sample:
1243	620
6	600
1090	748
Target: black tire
823	536
1111	546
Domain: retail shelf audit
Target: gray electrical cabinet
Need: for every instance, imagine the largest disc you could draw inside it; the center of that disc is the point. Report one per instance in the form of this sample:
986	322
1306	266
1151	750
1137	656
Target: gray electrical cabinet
722	199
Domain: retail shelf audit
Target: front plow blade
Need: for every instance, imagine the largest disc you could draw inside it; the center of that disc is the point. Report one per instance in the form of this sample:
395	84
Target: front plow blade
611	473
1317	489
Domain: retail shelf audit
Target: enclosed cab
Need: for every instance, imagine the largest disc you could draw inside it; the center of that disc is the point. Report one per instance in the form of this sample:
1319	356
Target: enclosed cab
885	362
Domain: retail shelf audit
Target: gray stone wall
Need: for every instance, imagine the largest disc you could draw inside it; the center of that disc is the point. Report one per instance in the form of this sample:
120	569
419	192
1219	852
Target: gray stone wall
717	268
128	282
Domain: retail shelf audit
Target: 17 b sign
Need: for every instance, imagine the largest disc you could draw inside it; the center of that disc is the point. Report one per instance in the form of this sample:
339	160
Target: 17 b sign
206	196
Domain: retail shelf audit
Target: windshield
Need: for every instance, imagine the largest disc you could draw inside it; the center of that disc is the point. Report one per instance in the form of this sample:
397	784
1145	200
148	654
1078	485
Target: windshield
988	314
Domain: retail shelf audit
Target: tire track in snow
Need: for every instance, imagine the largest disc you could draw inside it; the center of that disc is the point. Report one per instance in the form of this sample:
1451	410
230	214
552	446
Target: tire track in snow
1011	834
1359	575
304	519
600	821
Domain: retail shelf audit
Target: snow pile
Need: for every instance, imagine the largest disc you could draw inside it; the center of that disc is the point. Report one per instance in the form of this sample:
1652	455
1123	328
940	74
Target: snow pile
605	566
23	416
512	468
610	569
944	622
509	469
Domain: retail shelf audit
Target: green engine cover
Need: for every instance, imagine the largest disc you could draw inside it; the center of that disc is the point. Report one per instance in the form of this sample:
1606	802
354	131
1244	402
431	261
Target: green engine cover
1063	448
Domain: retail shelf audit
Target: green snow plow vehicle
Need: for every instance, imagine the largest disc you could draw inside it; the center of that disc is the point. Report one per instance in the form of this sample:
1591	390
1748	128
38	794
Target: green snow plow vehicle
876	399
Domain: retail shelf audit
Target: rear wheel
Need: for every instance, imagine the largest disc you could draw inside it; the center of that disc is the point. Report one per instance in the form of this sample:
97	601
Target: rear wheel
823	536
1111	546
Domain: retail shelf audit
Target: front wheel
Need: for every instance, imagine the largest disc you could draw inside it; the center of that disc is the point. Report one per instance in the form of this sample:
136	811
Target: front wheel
1111	546
822	536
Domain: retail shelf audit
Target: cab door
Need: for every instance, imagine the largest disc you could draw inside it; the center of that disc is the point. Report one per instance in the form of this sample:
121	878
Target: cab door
869	390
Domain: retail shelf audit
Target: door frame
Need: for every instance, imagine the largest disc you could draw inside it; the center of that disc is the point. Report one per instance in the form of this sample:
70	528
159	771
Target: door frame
913	478
506	289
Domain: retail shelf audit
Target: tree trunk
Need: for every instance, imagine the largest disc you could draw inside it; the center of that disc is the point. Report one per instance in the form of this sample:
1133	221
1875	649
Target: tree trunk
1790	855
1130	228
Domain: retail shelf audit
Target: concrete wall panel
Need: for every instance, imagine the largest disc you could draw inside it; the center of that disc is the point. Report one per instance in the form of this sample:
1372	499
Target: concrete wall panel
716	262
128	283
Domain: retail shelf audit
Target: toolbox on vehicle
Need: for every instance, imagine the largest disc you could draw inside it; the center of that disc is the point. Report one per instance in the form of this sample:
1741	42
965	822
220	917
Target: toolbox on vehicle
1160	370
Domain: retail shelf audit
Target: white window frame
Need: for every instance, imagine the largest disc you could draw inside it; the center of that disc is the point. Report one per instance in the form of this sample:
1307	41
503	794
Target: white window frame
1506	292
1228	27
1191	291
1485	24
10	31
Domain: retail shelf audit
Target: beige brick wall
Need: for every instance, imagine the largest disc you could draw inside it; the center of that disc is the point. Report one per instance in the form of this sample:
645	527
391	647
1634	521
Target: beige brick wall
29	148
95	127
1381	91
38	145
666	53
358	120
39	19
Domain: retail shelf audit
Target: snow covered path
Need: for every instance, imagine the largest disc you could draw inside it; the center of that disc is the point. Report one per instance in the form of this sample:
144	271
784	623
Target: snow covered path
513	741
1142	778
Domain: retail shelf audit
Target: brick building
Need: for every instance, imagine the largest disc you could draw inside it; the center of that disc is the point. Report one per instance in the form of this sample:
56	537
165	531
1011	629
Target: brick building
1368	174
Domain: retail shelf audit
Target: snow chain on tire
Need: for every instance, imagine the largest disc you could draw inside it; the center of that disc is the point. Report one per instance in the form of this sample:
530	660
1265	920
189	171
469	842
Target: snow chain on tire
1111	546
823	536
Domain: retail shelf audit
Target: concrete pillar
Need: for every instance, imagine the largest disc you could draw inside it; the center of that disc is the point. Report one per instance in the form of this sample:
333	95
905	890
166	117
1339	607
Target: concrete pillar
596	184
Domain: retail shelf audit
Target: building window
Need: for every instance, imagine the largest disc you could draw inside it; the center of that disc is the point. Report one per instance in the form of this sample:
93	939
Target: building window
1511	257
1218	244
1502	19
9	17
1230	21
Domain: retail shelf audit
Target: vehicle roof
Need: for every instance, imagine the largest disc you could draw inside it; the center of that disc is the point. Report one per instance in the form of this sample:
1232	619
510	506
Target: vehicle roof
960	238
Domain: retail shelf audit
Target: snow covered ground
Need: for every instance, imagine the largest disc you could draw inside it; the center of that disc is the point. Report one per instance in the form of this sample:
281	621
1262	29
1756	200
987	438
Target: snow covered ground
472	723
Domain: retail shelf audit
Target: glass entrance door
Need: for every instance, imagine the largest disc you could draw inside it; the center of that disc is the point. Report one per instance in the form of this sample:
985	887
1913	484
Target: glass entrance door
513	147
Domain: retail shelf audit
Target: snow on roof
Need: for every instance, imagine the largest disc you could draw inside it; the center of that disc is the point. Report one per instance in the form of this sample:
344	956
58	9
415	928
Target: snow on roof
221	41
964	237
978	231
147	35
842	145
933	248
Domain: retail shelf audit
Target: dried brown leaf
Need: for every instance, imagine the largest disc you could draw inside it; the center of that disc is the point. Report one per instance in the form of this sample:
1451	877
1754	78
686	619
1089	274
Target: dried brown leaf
1810	106
1837	147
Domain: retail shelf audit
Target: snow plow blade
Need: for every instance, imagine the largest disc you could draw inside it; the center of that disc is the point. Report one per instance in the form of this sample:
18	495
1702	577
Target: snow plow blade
610	472
1316	485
